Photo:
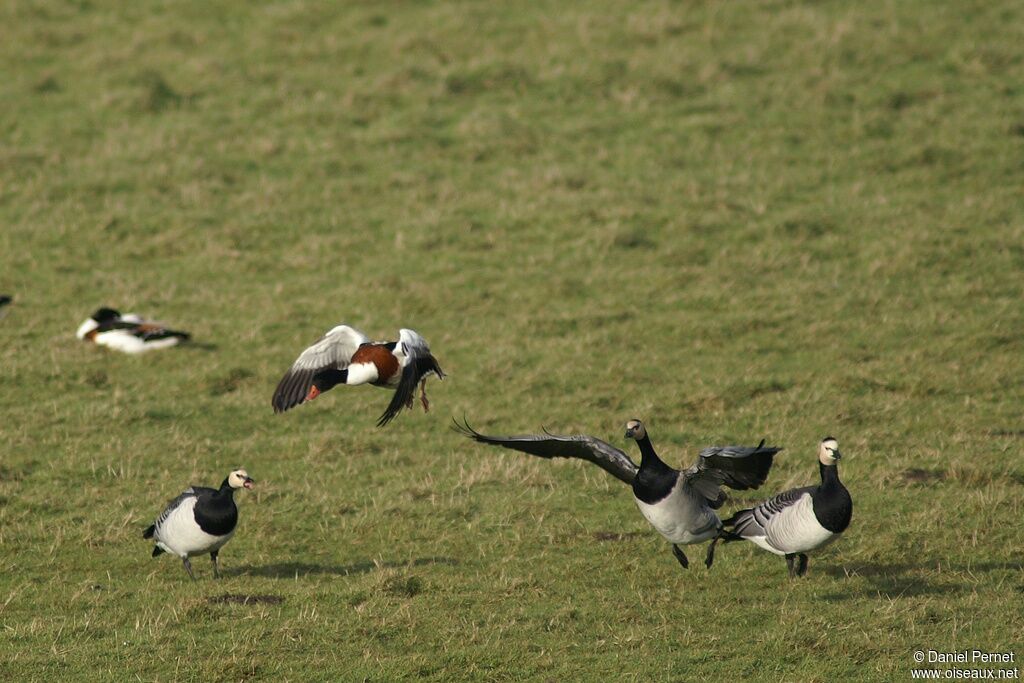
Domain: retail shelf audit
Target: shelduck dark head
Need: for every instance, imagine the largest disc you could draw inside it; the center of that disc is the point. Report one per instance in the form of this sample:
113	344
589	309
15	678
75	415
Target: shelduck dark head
828	451
324	381
240	479
635	430
102	315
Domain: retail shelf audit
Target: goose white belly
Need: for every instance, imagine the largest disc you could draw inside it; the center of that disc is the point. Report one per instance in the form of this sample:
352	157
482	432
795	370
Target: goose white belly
179	534
682	516
794	529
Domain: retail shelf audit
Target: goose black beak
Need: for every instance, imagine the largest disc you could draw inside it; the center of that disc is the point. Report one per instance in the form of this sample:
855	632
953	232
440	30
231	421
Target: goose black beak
837	455
248	483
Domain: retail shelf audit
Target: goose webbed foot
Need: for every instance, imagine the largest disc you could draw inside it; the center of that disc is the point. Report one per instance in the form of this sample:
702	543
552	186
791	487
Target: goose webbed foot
216	567
680	556
188	568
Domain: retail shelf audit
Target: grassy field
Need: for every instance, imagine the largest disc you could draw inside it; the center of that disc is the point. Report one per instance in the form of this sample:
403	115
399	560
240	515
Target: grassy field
733	220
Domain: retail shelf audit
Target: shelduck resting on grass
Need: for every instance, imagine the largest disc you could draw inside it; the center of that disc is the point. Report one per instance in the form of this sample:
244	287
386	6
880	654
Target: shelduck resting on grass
347	356
798	520
128	333
199	521
680	505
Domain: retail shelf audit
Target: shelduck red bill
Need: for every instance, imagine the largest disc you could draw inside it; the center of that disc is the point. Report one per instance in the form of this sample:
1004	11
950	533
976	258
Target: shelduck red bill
313	393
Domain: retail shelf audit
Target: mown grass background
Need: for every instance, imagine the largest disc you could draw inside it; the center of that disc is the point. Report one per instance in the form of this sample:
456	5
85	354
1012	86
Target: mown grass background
735	220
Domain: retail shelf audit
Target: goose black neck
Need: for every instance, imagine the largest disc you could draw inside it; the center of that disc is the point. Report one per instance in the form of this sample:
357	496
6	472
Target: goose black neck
833	506
225	490
654	480
648	458
829	475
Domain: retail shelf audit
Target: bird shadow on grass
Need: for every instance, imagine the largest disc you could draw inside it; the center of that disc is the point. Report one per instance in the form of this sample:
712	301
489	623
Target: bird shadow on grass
290	570
901	579
198	346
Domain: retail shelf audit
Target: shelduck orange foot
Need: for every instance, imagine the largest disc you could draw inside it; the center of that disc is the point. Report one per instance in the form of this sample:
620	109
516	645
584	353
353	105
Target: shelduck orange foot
347	356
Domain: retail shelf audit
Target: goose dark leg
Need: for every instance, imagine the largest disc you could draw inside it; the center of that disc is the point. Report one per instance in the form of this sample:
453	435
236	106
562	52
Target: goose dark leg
680	556
801	567
789	563
423	396
216	568
188	568
710	559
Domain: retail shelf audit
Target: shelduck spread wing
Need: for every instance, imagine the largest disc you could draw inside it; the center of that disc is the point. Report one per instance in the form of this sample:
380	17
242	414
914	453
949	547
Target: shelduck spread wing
417	362
333	350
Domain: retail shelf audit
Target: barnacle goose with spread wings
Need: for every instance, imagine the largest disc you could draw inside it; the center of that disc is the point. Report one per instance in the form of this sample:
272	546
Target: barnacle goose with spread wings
679	504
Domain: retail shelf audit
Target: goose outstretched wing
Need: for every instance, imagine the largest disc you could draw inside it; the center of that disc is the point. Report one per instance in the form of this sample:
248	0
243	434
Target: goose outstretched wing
547	445
738	467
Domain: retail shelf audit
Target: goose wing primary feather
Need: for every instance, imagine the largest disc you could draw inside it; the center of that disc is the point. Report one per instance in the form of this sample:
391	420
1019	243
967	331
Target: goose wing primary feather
417	362
333	350
738	467
547	445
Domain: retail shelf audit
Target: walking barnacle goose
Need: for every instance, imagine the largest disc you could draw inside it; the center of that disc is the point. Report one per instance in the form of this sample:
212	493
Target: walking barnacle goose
798	520
199	521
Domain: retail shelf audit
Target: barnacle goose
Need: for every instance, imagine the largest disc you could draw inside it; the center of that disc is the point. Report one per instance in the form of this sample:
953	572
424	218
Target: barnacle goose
798	520
347	356
128	333
679	504
199	521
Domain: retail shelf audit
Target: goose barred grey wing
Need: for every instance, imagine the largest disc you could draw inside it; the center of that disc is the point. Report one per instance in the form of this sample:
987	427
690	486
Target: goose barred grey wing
757	520
547	445
738	467
333	350
190	492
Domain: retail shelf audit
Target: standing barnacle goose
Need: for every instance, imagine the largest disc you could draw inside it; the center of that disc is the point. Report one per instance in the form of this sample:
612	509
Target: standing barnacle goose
679	504
796	521
199	521
128	333
347	356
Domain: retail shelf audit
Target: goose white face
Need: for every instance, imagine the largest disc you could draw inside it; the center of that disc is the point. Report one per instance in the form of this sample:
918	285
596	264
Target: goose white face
86	327
635	430
239	479
828	451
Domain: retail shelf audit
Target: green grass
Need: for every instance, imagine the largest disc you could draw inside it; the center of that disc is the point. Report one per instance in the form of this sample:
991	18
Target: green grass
734	220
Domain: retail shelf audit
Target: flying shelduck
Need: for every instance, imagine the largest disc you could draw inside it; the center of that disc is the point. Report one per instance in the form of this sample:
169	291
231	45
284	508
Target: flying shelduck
347	356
